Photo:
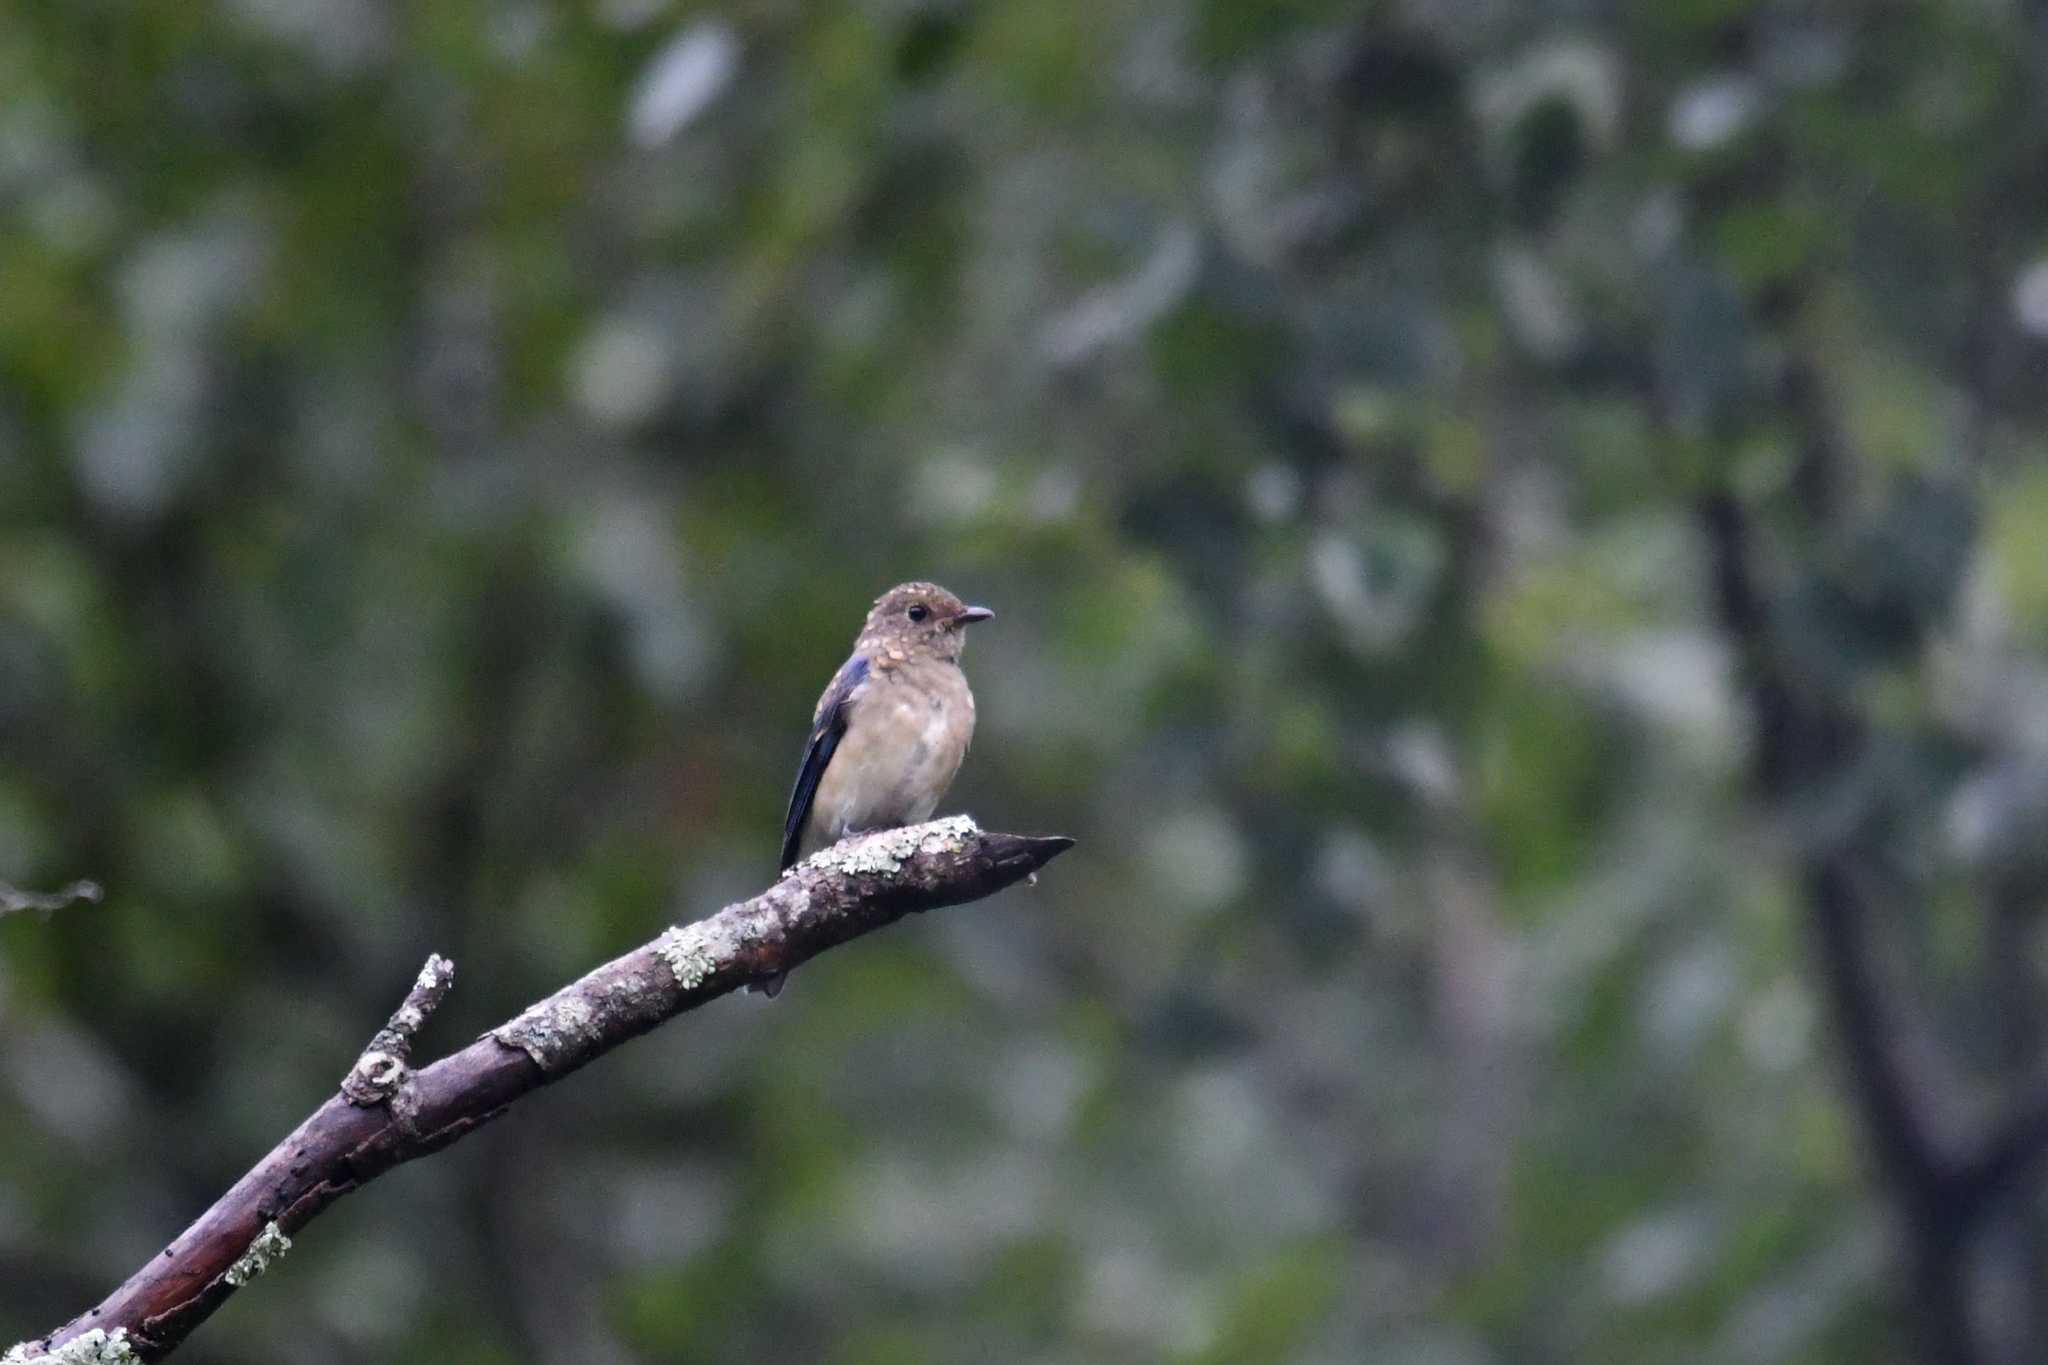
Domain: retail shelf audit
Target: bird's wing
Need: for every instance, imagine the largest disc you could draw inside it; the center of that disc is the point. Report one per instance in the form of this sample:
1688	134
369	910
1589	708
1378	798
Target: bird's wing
826	727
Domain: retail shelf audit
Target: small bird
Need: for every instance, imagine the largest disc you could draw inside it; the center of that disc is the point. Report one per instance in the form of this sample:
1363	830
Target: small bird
891	729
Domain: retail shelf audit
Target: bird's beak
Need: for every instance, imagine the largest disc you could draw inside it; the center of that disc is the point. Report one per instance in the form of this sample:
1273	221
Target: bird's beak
970	615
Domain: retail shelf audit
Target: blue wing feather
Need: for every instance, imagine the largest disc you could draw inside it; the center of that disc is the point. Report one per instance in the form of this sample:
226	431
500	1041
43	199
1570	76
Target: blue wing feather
826	728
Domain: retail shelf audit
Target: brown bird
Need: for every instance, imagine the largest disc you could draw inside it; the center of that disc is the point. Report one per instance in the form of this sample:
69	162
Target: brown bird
890	730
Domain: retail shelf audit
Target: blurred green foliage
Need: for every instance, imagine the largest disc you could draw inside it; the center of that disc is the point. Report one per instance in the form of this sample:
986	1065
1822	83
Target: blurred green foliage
444	449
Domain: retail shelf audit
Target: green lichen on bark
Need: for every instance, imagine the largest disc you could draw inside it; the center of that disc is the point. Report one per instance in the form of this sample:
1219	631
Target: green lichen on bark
687	954
561	1026
269	1248
887	850
97	1347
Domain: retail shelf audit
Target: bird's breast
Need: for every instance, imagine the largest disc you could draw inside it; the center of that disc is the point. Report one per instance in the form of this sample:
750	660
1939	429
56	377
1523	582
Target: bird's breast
904	742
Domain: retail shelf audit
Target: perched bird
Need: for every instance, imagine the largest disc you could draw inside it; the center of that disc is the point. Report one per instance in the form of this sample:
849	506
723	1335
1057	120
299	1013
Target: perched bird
891	729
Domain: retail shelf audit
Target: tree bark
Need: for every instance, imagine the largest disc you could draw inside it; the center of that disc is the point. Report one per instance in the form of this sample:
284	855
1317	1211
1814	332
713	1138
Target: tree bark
388	1114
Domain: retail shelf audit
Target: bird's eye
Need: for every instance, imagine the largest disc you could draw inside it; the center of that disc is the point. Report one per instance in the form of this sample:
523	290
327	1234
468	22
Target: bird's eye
919	612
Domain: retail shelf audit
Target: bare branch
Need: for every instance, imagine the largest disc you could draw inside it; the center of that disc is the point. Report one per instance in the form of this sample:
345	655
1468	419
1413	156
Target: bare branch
850	889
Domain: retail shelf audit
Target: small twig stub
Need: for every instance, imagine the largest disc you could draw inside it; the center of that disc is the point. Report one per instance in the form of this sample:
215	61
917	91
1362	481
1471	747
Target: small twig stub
380	1072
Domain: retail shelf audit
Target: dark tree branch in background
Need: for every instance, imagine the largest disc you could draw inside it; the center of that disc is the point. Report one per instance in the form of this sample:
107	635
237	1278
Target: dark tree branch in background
1941	1180
14	900
1796	744
2008	1153
1902	1135
1788	744
1739	603
391	1114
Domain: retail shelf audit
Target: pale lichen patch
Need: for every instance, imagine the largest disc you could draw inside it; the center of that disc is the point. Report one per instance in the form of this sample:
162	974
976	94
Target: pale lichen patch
944	836
886	850
269	1248
687	956
380	1070
554	1030
97	1347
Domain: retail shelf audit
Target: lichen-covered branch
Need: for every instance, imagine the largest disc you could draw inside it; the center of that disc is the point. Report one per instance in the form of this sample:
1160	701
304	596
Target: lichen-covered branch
840	893
13	899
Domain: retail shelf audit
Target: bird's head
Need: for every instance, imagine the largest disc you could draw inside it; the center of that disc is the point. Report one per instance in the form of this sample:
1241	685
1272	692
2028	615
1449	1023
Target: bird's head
918	620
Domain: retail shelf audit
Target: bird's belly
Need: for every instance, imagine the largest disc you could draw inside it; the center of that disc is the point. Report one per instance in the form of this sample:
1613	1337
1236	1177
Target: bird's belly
891	769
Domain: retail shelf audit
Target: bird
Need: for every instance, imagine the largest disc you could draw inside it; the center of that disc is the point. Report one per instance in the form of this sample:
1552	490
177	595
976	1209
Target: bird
890	730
